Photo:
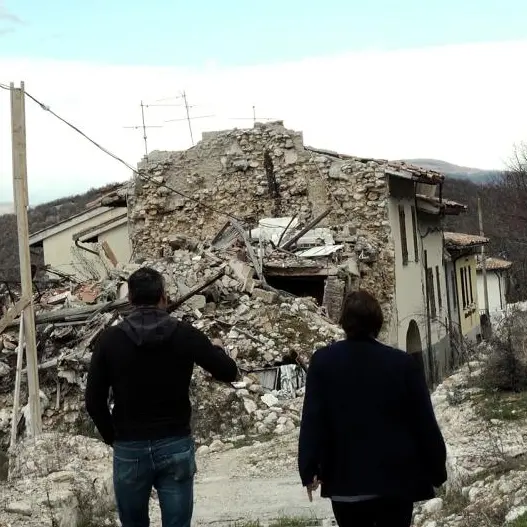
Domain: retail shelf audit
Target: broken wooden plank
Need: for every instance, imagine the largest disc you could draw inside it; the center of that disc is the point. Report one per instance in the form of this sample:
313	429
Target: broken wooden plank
18	377
313	223
195	290
14	312
76	313
107	250
85	312
250	250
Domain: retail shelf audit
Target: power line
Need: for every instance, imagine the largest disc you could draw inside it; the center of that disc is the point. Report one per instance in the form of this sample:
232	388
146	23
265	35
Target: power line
141	174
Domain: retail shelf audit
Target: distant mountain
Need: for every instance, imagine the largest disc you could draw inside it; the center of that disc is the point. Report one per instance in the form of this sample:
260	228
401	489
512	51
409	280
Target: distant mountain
6	208
477	175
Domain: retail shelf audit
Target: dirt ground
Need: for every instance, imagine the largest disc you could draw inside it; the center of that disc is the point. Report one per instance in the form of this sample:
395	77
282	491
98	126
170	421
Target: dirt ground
258	482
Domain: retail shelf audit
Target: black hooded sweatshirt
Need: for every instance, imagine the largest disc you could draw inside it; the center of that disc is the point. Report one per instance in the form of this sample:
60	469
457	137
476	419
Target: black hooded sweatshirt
147	360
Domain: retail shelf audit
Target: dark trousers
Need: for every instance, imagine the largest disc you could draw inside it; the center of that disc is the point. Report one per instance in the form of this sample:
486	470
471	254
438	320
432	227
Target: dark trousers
169	466
380	512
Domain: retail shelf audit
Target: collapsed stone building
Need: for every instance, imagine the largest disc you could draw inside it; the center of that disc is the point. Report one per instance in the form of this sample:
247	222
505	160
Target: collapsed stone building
367	215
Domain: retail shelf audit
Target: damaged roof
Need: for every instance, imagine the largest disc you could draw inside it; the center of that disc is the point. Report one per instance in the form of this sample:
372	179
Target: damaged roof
395	168
494	264
459	240
115	198
424	175
446	205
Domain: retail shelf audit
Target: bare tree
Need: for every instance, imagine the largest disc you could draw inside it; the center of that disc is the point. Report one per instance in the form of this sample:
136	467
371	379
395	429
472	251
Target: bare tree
504	205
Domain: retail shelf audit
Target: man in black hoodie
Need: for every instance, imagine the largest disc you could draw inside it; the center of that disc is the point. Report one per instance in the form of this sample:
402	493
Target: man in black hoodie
147	361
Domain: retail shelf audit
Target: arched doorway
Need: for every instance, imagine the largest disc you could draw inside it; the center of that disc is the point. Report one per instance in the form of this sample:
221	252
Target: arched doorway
414	345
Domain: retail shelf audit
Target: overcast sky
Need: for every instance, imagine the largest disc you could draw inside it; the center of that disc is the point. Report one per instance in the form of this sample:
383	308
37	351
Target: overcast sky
380	78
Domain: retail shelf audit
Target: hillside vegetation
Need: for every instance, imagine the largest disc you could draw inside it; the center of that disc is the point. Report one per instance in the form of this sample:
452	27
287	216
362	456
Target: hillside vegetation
40	217
504	223
450	170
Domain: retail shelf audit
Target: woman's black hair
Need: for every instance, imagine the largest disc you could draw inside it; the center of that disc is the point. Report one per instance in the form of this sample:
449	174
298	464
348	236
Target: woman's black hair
361	315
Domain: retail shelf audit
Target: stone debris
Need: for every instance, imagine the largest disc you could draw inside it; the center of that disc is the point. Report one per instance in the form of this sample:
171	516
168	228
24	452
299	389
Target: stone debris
19	507
262	176
59	480
487	458
271	335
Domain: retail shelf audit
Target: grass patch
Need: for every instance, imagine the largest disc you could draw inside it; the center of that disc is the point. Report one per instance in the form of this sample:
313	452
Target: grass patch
291	521
521	521
249	523
453	503
503	406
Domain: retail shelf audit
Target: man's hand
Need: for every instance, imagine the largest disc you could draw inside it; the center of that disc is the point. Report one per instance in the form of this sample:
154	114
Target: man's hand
312	487
217	342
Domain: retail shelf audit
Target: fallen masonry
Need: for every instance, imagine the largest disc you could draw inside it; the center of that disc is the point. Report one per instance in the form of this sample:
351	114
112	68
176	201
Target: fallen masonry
271	334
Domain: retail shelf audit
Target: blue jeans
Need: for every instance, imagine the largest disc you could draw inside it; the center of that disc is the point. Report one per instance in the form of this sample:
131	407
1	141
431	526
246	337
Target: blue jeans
168	465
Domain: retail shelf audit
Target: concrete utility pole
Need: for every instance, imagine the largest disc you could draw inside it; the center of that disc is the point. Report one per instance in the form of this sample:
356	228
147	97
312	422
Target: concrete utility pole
483	259
18	133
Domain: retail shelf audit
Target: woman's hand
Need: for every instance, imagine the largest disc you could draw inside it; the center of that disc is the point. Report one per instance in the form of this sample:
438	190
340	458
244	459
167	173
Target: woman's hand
312	487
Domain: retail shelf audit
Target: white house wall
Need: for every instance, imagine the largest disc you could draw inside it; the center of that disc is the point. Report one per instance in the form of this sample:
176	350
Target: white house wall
410	280
496	291
433	245
409	300
119	241
60	251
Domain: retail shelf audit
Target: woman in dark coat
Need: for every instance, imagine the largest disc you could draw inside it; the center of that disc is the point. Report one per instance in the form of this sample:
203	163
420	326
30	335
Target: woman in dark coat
369	435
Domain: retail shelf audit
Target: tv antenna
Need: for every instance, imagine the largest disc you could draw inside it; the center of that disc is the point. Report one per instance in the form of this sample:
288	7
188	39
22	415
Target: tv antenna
144	127
188	118
253	118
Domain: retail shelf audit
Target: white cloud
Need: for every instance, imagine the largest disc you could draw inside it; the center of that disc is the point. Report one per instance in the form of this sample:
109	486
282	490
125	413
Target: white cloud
463	104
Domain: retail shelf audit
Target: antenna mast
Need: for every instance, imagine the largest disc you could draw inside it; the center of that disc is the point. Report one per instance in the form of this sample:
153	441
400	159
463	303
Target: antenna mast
188	117
144	127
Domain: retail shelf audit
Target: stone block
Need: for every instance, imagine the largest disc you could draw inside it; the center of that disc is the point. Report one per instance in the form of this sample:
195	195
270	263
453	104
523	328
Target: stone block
269	297
19	507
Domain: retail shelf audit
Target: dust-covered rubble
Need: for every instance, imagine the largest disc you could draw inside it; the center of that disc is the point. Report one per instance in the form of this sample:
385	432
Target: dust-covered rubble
269	333
58	480
487	457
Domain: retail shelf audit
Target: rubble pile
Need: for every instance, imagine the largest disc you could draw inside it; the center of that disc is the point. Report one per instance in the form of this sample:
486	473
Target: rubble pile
266	172
487	456
270	334
59	480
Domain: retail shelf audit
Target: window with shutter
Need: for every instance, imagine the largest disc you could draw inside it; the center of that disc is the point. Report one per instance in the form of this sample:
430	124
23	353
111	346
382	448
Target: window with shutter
404	242
454	290
431	292
414	229
438	280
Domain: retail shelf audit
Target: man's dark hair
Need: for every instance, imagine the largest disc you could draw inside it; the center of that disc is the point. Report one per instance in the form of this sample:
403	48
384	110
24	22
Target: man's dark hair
361	315
145	287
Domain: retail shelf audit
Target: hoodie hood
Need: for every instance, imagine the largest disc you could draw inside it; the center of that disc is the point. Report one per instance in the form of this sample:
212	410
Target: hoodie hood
148	326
